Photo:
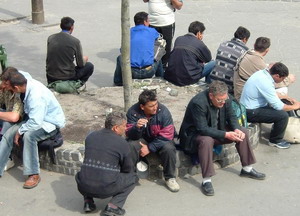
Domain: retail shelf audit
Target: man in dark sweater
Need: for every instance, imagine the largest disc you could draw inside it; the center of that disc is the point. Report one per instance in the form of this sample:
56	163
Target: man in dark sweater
107	169
190	60
209	120
62	47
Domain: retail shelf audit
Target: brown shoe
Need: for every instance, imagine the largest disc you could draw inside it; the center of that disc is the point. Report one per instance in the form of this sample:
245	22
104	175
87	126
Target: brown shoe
32	181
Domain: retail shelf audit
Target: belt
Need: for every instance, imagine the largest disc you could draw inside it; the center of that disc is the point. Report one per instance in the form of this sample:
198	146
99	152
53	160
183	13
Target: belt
148	67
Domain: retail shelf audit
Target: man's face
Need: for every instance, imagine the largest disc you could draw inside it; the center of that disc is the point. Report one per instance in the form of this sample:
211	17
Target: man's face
6	85
150	108
277	78
218	100
120	129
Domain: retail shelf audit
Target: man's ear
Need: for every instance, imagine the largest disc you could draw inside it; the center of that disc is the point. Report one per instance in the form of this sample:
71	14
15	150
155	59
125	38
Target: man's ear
142	106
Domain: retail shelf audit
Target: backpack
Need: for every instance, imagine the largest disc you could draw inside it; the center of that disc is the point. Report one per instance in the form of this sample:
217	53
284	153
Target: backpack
240	112
50	144
159	48
66	86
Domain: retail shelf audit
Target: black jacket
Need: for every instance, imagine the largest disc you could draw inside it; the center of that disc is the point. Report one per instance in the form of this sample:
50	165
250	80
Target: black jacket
201	119
187	60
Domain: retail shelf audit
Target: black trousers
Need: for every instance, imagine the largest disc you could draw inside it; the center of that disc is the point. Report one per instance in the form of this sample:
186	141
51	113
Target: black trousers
119	194
167	155
168	34
280	119
82	73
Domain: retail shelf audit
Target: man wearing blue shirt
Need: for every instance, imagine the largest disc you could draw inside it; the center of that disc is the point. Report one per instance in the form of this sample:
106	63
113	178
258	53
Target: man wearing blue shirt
142	39
44	117
264	105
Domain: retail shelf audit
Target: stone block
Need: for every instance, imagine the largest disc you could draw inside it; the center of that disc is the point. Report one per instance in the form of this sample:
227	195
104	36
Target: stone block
76	156
67	155
194	170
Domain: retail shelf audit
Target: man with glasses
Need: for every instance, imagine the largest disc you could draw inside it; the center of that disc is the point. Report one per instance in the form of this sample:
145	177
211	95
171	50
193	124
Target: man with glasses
209	121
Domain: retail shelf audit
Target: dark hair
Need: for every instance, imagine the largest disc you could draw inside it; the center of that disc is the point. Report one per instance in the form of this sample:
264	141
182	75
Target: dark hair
140	17
280	69
262	44
146	96
242	33
114	118
196	27
14	77
218	87
66	23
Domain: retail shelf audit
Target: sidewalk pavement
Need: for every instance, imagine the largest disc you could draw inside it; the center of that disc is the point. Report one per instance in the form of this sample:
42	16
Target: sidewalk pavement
277	195
97	25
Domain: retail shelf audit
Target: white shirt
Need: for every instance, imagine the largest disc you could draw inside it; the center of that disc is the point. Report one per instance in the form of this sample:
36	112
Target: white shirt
161	12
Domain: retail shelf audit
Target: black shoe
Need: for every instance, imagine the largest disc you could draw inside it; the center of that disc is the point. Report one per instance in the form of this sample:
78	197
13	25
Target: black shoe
207	189
89	206
253	174
114	211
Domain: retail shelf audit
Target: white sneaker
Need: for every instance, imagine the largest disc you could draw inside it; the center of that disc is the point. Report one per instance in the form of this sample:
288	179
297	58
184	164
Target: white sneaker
10	163
172	185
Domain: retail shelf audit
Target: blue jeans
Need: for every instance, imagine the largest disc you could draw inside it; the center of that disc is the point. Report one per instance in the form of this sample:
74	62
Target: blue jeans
208	67
156	69
30	148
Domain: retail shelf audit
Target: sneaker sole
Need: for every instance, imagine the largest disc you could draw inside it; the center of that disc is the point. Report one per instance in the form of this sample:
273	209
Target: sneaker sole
112	214
277	146
206	193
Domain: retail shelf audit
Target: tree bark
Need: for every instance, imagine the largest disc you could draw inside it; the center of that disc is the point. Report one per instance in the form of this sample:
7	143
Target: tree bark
125	53
37	12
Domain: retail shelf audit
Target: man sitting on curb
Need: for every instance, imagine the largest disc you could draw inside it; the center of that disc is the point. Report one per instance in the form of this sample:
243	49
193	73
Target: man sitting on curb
190	60
209	120
142	39
44	116
252	62
150	129
107	169
227	56
12	114
62	48
263	104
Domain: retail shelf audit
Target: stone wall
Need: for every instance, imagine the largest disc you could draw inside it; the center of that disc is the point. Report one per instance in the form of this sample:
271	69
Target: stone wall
69	158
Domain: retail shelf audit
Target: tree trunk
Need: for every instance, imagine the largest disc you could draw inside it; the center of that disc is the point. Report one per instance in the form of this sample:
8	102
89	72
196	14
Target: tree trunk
125	53
37	12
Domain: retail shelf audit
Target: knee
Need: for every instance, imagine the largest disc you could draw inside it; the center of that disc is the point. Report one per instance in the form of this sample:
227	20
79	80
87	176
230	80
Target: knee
283	115
204	142
169	147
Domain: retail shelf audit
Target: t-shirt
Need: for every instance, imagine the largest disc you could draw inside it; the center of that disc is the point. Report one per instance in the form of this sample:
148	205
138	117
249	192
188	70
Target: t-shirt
142	40
161	12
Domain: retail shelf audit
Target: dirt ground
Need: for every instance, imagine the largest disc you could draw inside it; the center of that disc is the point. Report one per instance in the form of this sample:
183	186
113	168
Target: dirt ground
85	112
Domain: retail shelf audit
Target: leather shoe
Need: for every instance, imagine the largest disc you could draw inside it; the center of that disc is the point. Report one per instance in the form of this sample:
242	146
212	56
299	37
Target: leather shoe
253	174
207	189
89	206
32	181
109	211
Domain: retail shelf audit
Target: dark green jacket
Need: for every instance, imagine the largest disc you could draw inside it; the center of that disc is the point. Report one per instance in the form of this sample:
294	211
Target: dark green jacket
201	119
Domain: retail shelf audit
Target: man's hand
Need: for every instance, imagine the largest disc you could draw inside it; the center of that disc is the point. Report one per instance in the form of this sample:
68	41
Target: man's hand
17	138
240	133
141	122
144	150
233	136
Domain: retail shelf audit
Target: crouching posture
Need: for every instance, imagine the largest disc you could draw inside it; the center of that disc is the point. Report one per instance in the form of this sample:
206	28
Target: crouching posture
107	169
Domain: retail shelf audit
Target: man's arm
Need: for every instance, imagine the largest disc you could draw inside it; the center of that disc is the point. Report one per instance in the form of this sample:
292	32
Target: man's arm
177	4
165	132
10	116
146	1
